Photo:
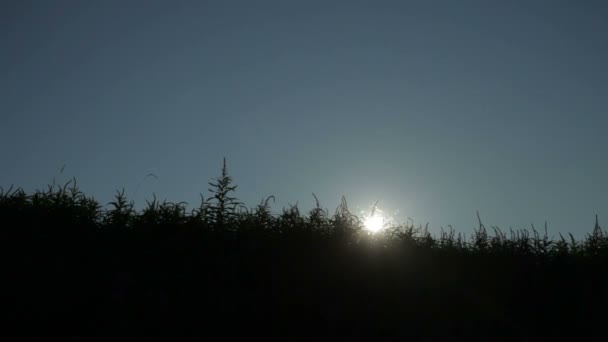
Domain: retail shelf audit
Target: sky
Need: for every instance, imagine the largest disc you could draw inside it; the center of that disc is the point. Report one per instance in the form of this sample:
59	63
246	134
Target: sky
435	109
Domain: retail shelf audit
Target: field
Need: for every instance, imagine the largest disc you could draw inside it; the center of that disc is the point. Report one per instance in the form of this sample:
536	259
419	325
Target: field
76	271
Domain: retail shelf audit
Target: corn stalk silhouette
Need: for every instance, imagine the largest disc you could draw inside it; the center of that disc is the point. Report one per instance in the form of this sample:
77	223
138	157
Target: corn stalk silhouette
222	206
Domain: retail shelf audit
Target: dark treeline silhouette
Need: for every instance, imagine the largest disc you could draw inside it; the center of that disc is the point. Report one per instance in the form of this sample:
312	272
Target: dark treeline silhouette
76	271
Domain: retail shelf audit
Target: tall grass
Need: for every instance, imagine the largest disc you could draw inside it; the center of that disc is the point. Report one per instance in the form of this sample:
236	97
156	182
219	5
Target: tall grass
68	206
74	266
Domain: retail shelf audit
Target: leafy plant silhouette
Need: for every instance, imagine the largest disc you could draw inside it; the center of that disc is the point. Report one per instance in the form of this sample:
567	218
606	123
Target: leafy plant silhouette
223	207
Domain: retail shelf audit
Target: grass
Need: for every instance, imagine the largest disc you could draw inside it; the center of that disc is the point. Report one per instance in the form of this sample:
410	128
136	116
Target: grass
68	203
74	268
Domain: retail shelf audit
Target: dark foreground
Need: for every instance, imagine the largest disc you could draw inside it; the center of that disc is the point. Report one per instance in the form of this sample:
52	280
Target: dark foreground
196	287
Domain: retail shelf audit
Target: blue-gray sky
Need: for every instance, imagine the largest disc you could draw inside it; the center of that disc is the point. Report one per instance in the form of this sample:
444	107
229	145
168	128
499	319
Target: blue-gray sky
435	108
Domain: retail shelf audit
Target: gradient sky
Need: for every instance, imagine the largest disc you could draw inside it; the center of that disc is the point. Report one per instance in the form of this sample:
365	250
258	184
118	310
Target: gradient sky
435	108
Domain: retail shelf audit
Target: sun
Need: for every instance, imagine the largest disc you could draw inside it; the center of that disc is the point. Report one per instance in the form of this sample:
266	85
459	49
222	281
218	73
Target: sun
374	223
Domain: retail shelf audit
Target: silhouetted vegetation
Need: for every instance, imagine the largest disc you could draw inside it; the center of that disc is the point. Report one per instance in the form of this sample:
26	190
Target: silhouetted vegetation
74	269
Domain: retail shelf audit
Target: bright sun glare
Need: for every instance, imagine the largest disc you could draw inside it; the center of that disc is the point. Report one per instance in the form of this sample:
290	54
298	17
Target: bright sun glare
374	223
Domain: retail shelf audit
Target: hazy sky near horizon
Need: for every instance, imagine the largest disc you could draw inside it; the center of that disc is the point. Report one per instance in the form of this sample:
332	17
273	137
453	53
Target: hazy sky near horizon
435	108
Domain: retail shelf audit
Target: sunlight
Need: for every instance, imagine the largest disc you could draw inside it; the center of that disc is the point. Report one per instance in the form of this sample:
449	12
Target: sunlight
374	223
